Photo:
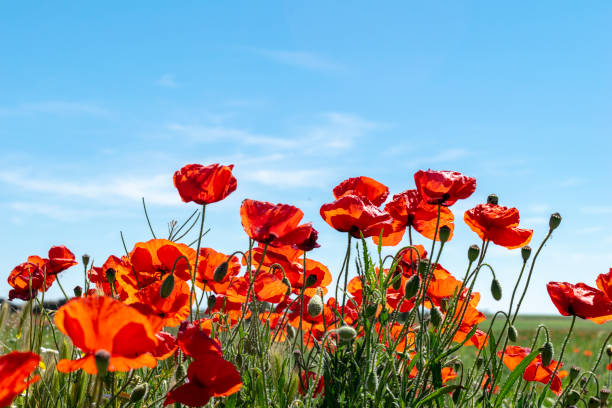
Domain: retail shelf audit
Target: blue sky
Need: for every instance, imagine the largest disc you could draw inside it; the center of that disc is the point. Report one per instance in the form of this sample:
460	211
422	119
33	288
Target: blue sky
101	103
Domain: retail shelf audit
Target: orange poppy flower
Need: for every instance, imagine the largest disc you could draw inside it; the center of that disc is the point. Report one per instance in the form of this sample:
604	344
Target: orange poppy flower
498	224
356	216
274	224
97	323
210	377
204	184
535	371
172	310
97	275
604	283
15	368
580	300
319	323
363	187
208	262
443	187
588	353
408	209
226	307
266	288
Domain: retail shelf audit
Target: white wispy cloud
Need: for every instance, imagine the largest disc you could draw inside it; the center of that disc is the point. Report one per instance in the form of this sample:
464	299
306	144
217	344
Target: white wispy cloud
597	210
64	213
301	59
214	133
167	81
56	108
289	178
337	130
444	156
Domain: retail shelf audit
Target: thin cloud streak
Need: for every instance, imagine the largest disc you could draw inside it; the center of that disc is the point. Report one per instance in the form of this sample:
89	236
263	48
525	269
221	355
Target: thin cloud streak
56	108
301	59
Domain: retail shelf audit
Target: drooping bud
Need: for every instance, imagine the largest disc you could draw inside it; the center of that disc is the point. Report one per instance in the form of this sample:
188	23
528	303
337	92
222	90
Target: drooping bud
479	362
310	280
423	267
412	286
111	275
179	374
526	252
473	252
346	333
436	316
85	259
456	395
573	373
211	302
102	358
555	220
594	402
444	305
496	289
139	392
291	332
512	334
315	306
372	382
78	291
604	394
397	279
444	233
572	397
493	199
285	280
547	353
220	271
167	286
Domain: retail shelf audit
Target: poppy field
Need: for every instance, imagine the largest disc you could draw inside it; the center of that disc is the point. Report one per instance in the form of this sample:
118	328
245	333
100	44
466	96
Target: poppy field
174	323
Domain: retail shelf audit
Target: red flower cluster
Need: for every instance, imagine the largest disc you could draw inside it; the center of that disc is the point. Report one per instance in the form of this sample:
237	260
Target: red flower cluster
15	368
536	370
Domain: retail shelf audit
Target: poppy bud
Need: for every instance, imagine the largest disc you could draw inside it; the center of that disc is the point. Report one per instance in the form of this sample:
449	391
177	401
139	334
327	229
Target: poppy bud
572	397
493	199
609	350
167	286
397	280
444	233
456	395
78	291
423	267
346	333
583	380
473	252
372	382
573	373
102	358
139	392
220	272
315	306
512	334
496	289
85	258
310	280
479	362
285	280
212	301
547	353
555	220
594	402
291	332
179	374
604	393
412	286
526	252
436	316
444	304
110	275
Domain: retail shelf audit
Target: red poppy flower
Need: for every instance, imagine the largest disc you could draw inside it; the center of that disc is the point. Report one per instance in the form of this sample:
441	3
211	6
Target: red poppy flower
227	308
274	224
498	224
363	187
443	187
97	323
580	300
353	214
536	370
311	377
208	262
210	377
196	343
28	278
172	309
121	266
15	368
408	209
204	184
604	282
60	259
166	346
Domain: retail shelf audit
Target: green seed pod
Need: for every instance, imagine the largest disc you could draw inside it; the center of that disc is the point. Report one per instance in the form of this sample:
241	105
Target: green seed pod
412	286
496	289
573	373
493	199
167	286
594	402
526	252
220	272
102	358
444	233
423	267
604	393
139	392
555	220
372	382
179	374
436	316
315	306
512	334
310	280
346	333
572	397
547	353
78	291
85	259
111	275
212	301
473	252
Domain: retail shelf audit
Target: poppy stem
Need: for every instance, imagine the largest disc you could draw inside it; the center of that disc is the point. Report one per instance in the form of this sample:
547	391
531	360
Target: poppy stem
195	268
552	377
147	217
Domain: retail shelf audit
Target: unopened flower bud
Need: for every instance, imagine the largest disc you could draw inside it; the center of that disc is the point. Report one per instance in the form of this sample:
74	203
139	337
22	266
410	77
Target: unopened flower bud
436	316
111	275
78	291
167	286
555	220
473	252
179	374
372	382
397	280
139	392
573	372
444	233
496	289
102	358
423	267
512	334
479	362
85	259
220	272
212	301
547	353
444	305
594	402
310	280
346	333
609	350
572	397
285	280
456	395
493	199
412	286
291	333
526	252
315	306
604	393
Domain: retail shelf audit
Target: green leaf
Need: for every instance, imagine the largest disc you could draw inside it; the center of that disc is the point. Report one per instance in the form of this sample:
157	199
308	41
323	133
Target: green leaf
518	371
440	392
